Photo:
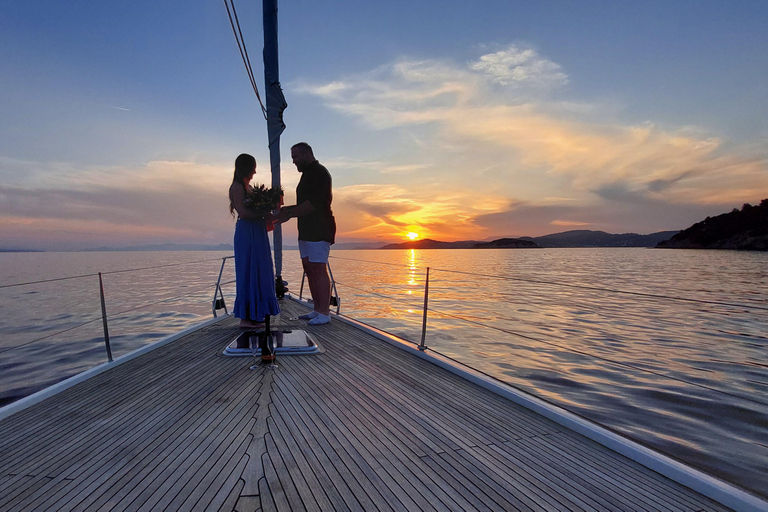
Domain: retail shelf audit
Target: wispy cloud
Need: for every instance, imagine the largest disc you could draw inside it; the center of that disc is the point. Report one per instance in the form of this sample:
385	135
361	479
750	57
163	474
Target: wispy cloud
161	201
568	223
531	147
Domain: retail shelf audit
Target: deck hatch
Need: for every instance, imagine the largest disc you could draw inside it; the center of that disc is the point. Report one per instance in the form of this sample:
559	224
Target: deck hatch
287	341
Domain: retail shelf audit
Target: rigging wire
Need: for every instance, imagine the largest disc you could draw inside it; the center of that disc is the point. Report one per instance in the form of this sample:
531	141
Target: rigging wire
235	23
109	272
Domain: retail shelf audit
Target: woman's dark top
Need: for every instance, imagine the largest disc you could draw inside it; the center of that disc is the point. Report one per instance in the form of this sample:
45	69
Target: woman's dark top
315	187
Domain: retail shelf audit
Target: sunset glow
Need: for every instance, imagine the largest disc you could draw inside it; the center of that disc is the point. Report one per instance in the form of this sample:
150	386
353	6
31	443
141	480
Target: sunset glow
509	131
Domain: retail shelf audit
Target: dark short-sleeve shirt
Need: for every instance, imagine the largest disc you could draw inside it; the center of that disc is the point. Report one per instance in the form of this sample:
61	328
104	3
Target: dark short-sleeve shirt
315	187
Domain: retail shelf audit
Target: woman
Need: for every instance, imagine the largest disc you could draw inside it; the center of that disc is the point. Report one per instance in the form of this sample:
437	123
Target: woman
254	273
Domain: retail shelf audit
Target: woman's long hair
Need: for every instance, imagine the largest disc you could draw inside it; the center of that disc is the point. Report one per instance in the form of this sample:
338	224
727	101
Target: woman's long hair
244	165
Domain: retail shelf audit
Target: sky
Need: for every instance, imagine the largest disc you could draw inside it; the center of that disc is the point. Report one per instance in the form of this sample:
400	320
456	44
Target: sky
455	120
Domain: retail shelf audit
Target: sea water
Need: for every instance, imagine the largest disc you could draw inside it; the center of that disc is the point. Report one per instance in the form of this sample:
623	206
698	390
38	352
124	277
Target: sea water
667	347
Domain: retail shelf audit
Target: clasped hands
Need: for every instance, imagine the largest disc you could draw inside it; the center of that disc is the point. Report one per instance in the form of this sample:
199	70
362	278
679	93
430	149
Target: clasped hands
282	216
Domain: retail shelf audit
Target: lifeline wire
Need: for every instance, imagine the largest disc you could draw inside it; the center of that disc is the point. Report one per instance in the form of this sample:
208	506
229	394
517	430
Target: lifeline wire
595	288
582	287
50	335
113	315
594	356
105	273
567	349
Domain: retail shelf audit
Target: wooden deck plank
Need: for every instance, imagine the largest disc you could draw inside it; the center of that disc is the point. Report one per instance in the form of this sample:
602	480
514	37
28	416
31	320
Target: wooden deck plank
383	399
363	426
39	420
645	480
458	398
319	488
329	462
355	476
86	428
377	424
535	476
162	448
166	477
408	404
486	490
533	493
369	399
270	492
624	490
359	451
228	494
301	476
289	490
103	470
471	498
124	453
201	487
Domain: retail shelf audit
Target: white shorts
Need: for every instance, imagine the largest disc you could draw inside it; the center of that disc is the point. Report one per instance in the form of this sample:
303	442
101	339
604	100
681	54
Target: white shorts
317	252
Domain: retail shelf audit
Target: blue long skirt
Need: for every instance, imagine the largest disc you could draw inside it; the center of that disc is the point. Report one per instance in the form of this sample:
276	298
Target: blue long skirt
254	273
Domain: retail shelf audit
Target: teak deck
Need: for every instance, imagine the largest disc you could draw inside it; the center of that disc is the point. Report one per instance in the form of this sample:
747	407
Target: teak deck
362	426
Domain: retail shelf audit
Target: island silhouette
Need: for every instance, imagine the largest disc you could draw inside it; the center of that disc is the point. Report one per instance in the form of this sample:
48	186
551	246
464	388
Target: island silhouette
741	230
573	238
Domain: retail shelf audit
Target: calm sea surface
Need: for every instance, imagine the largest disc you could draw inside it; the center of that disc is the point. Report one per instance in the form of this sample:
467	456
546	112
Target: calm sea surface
668	347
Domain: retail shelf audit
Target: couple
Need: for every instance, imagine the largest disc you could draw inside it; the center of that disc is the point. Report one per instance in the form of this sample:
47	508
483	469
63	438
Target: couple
254	272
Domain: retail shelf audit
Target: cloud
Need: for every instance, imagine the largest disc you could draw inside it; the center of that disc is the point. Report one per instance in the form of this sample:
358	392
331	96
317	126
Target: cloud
376	166
525	147
520	66
391	210
161	201
568	223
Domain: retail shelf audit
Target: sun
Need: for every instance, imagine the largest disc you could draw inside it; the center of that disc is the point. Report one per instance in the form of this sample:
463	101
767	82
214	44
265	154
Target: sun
412	235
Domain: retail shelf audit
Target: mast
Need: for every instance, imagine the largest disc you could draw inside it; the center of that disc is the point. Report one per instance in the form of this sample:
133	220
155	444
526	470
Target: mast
275	106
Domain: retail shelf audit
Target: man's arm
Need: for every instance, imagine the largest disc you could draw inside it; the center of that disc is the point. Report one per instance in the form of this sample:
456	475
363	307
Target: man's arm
299	210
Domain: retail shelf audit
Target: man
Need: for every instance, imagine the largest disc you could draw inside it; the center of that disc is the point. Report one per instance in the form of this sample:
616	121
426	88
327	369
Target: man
317	228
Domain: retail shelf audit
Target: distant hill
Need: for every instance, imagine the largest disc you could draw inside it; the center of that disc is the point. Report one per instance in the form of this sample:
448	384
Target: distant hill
347	246
576	238
587	238
507	243
743	230
428	243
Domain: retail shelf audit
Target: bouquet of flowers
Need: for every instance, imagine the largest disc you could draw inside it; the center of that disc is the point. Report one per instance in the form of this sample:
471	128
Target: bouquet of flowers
262	199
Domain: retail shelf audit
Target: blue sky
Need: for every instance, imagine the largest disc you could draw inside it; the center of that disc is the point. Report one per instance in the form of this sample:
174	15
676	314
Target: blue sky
120	121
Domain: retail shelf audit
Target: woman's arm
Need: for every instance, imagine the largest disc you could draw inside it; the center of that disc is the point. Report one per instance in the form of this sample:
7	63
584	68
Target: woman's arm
238	201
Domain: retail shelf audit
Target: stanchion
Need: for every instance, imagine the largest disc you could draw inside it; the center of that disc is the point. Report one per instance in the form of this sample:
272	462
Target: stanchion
422	346
104	319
